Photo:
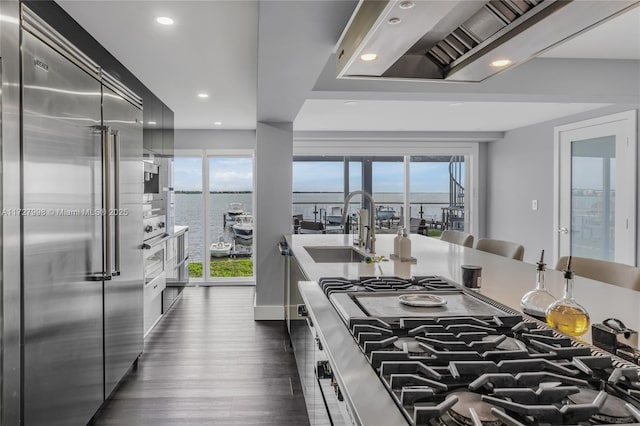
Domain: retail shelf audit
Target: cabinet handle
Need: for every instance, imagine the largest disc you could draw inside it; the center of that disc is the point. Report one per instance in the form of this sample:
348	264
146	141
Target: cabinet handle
302	311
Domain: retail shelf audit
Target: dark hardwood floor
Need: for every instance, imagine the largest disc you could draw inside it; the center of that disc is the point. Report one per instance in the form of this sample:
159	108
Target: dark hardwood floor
209	363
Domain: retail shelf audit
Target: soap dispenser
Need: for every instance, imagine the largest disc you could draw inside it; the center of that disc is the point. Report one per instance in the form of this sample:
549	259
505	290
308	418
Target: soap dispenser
396	242
405	245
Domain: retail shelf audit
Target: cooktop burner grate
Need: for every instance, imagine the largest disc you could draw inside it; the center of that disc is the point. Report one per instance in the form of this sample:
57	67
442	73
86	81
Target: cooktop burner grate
494	371
373	284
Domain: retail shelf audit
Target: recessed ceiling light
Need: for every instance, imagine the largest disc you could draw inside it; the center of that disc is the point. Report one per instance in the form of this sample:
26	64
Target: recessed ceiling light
407	4
350	103
368	57
203	95
393	21
500	63
164	20
217	123
152	123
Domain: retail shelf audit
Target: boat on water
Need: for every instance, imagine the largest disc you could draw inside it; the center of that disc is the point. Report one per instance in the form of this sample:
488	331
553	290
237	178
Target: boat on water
235	209
243	228
220	249
334	215
385	213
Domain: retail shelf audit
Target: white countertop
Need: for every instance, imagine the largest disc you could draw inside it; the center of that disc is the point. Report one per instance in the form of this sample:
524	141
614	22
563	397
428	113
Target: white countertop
179	229
504	280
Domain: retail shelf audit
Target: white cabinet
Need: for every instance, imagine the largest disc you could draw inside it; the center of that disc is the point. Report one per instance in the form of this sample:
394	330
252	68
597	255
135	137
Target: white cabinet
155	281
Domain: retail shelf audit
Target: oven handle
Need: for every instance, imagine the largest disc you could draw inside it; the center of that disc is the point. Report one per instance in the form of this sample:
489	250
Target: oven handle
148	245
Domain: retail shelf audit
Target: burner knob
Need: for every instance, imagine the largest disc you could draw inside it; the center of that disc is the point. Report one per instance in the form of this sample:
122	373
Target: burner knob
148	228
161	225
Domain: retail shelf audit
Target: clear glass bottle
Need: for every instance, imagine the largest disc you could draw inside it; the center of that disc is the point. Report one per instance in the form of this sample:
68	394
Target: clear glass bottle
536	302
396	242
567	315
405	245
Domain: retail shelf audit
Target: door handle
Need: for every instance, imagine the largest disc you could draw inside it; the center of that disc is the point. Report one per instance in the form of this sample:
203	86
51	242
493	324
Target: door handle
106	198
97	277
563	230
116	200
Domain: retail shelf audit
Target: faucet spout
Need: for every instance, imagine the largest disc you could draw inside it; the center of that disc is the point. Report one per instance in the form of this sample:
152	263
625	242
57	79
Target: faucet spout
370	243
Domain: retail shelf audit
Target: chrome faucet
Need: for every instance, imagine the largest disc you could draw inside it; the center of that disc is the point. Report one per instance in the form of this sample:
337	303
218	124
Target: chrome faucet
370	239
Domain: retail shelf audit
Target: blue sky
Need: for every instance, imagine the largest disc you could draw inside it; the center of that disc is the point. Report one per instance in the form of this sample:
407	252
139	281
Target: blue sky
235	174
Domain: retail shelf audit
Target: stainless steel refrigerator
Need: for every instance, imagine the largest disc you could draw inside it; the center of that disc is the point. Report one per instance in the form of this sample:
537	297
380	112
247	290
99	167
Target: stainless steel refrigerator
82	230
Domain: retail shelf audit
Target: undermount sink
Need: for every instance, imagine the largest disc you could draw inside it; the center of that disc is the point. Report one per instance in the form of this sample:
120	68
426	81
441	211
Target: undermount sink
325	254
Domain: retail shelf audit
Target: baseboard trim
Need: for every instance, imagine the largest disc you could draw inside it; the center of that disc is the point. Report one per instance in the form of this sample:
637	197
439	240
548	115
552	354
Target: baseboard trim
268	313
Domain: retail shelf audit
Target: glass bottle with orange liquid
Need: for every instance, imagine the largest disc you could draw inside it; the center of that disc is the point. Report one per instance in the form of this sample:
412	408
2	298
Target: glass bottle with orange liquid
567	315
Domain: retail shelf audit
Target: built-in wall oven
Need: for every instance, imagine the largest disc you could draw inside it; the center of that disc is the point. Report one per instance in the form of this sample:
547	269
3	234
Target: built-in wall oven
153	198
155	268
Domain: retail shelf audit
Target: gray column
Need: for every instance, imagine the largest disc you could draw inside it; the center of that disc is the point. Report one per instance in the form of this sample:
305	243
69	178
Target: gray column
274	156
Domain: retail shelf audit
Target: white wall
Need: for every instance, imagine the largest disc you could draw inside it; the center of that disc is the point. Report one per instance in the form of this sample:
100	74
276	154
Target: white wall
519	170
214	139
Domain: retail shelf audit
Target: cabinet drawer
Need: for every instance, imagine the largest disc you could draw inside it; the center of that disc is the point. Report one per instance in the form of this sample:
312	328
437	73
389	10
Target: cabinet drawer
154	288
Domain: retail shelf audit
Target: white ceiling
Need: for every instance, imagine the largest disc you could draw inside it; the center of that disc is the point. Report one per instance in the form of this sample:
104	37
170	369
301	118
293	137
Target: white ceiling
321	114
213	47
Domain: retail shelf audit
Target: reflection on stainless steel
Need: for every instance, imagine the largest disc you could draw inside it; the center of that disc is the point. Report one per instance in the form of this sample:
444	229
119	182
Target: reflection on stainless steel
123	293
62	311
82	257
458	40
11	277
65	116
61	91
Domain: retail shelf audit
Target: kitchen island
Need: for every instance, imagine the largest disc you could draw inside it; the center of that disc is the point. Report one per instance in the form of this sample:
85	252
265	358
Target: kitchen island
504	280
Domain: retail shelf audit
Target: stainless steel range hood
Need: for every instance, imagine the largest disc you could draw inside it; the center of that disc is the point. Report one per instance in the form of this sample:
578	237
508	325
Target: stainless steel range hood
459	40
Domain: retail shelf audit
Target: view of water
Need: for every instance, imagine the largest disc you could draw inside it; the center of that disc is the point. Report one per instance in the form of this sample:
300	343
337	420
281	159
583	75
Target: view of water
189	211
431	202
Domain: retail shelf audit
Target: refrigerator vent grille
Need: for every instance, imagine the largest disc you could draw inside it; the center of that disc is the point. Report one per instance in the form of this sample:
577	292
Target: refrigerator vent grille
122	90
39	28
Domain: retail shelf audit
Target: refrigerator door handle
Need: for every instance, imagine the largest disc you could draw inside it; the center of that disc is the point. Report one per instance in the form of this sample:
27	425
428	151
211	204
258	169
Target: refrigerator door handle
97	277
106	199
116	201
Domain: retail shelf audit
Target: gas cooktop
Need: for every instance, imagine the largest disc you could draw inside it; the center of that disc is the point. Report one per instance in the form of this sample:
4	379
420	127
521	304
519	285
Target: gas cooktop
378	284
493	366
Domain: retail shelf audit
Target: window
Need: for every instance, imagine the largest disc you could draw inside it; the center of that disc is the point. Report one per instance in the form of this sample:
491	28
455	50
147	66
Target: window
230	217
189	207
220	224
437	193
435	198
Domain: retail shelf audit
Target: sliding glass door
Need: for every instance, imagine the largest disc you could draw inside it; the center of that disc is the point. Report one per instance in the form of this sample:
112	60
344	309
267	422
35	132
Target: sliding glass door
230	217
214	197
424	193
